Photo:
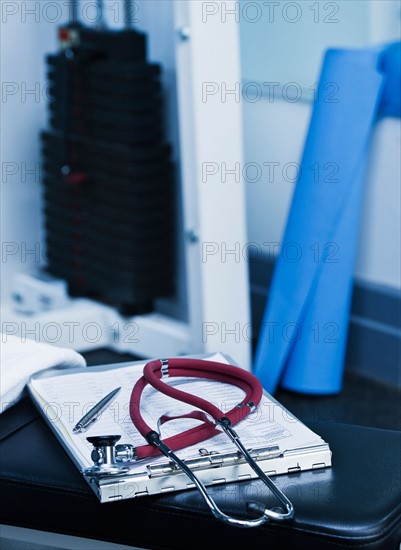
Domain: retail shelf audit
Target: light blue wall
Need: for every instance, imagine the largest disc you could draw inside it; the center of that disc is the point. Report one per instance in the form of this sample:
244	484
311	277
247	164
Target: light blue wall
290	54
25	39
283	41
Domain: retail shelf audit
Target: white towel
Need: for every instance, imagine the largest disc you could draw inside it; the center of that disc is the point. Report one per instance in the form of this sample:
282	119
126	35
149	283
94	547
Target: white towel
22	358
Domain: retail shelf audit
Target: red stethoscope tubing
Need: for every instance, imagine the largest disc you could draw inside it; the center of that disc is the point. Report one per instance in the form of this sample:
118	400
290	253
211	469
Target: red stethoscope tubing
192	368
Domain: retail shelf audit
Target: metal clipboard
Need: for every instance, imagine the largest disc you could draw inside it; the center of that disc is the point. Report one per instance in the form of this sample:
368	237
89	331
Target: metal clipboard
162	477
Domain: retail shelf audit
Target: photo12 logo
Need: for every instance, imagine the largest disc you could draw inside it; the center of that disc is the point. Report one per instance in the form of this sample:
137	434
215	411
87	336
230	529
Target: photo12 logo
21	172
274	331
292	252
90	12
267	172
254	91
271	12
71	332
26	92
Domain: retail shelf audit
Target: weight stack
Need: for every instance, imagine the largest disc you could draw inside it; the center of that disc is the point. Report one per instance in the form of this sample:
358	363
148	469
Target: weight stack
108	174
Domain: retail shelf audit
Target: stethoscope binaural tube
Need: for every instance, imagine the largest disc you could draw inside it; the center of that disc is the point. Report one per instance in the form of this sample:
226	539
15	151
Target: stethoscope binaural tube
193	368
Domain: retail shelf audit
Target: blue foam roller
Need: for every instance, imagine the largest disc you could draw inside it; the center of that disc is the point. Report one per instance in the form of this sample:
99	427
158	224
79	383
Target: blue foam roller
303	337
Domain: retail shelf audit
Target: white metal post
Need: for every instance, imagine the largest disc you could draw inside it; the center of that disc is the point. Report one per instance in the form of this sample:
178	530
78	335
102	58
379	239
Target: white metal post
208	73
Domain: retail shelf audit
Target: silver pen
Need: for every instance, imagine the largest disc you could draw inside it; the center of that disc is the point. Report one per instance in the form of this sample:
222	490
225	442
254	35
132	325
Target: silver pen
94	414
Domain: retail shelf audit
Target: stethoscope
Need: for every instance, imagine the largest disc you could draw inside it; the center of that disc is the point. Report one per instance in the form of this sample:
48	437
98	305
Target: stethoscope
111	459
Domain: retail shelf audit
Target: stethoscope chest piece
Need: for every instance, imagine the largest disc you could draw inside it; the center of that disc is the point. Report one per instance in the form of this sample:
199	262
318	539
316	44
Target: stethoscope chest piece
105	457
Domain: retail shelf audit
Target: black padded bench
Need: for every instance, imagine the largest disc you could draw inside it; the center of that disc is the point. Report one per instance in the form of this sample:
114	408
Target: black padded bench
354	504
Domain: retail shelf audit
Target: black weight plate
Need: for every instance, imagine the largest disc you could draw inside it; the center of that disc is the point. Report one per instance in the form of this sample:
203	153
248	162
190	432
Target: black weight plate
81	84
151	250
78	157
80	73
112	116
129	175
142	103
145	229
155	154
109	193
121	124
146	278
129	212
128	203
142	278
66	94
139	263
68	253
154	241
120	133
126	45
112	192
142	136
70	214
108	184
104	148
66	215
147	269
134	246
147	179
108	190
77	180
105	69
140	227
119	88
134	102
103	223
135	224
150	278
124	71
115	171
135	99
64	194
91	117
63	230
127	170
116	286
72	261
66	250
146	225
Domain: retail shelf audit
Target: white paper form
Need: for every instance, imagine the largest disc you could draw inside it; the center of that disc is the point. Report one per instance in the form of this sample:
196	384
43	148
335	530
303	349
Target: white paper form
65	399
